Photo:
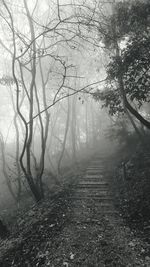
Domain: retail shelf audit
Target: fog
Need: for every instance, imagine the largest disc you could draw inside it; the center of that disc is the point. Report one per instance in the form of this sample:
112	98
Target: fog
53	62
74	133
49	119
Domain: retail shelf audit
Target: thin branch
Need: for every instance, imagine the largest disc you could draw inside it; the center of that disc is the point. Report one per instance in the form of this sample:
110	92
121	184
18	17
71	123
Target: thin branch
65	96
58	9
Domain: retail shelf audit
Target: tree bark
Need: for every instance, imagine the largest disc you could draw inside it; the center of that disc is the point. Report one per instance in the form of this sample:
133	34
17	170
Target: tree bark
65	137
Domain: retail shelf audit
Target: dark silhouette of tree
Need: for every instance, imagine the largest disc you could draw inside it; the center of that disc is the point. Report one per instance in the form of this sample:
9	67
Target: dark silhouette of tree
128	71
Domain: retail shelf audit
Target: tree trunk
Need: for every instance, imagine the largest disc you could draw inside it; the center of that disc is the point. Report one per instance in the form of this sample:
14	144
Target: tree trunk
65	137
73	129
4	170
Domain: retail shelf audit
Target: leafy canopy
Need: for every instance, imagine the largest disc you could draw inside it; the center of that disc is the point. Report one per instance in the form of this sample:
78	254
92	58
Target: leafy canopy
129	25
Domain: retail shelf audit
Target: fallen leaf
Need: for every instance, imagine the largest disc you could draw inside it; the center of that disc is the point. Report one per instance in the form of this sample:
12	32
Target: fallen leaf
65	264
72	256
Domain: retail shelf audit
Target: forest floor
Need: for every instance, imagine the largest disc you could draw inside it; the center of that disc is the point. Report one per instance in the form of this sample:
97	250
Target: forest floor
70	232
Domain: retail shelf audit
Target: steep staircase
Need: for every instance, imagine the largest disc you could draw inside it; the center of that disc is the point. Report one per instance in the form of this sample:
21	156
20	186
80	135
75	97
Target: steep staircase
92	196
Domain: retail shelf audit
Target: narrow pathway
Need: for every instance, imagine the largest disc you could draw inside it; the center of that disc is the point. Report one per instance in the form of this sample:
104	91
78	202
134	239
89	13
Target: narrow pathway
83	229
94	235
93	192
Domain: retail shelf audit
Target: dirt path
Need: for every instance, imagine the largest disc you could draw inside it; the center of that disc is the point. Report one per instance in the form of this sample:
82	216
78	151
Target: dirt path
83	229
95	235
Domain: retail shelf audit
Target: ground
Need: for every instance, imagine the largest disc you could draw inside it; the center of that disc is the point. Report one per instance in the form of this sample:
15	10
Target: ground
71	230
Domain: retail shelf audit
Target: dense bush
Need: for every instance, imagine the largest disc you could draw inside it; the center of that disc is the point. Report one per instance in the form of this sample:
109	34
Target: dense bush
131	186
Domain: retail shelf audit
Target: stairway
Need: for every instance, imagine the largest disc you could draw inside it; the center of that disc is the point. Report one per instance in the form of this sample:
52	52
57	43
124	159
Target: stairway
92	197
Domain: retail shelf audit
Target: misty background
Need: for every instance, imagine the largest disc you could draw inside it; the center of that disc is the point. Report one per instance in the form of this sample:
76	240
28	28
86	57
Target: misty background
54	62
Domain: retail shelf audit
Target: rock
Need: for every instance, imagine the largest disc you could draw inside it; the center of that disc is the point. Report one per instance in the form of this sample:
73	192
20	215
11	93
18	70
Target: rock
147	258
72	256
131	244
142	250
65	264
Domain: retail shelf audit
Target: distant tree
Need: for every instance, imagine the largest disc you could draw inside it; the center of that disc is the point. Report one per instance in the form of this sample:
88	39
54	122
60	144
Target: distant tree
41	71
15	195
26	62
65	137
8	172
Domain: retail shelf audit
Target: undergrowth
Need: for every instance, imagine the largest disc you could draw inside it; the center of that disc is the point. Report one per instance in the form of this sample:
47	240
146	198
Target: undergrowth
131	186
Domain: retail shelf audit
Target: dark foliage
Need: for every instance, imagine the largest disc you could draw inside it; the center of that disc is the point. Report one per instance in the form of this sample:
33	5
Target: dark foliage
132	190
129	26
121	131
3	230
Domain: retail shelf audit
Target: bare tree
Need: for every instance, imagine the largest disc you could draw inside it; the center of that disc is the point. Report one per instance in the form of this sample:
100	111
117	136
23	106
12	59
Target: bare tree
9	183
42	53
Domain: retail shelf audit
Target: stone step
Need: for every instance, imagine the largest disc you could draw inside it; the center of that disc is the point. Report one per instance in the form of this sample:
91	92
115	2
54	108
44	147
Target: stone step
102	201
93	197
95	170
100	160
96	177
84	186
100	171
92	173
91	193
87	202
91	216
92	180
105	208
100	207
96	162
86	215
90	184
95	167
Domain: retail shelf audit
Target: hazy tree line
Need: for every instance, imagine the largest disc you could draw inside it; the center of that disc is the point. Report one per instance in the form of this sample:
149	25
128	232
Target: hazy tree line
51	88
